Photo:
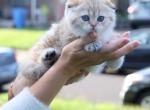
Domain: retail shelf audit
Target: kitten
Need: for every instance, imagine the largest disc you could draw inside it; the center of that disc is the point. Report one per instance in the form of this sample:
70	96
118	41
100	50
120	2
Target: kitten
81	18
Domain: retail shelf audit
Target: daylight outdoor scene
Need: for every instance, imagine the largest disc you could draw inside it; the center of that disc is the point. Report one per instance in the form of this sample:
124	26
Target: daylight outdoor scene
24	22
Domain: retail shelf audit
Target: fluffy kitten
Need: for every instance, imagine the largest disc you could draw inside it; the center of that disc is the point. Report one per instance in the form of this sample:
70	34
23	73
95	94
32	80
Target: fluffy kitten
81	17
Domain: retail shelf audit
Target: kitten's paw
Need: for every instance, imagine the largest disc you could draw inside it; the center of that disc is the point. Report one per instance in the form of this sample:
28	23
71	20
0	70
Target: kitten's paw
48	56
115	64
93	47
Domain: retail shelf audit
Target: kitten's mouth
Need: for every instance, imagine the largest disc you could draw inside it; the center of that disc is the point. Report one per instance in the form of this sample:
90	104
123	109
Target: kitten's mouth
93	30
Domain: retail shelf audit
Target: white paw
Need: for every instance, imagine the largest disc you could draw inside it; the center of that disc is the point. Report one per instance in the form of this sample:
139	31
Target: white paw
93	47
115	64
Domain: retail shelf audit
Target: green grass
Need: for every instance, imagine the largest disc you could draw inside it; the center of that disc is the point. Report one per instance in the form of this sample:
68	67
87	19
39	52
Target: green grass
3	99
20	39
63	104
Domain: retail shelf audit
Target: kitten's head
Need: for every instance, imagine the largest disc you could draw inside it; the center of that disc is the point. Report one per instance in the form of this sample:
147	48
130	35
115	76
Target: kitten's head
84	16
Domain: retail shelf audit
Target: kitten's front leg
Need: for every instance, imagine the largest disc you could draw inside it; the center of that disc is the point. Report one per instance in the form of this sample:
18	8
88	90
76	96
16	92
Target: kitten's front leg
93	47
48	56
115	64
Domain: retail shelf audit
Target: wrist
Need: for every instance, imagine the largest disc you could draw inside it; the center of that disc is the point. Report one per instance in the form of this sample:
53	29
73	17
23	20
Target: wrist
67	69
51	82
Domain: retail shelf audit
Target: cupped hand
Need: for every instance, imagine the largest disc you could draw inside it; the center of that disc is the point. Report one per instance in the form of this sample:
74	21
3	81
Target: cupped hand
76	58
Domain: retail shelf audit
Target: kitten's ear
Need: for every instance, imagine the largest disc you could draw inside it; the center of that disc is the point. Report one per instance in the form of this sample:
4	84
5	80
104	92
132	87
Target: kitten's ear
111	4
71	4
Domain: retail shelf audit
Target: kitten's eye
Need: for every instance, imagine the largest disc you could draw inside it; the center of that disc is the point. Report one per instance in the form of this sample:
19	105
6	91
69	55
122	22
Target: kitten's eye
100	18
85	18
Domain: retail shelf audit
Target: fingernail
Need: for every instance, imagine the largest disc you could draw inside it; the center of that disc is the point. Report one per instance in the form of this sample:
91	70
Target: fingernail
127	34
137	43
125	41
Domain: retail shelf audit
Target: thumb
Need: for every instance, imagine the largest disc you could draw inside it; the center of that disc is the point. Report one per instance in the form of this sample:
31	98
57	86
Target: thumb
86	40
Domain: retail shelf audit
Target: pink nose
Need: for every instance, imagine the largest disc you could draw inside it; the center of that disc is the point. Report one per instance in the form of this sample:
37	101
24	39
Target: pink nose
93	26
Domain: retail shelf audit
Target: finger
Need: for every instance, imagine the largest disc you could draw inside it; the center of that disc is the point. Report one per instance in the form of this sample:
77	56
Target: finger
112	46
125	50
87	39
118	43
115	45
81	42
123	35
126	34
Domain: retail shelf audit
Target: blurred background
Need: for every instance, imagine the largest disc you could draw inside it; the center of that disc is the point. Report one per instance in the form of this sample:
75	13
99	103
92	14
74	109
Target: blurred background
23	22
44	12
32	12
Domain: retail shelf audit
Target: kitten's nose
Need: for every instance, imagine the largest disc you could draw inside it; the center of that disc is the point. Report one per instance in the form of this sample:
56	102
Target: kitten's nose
93	26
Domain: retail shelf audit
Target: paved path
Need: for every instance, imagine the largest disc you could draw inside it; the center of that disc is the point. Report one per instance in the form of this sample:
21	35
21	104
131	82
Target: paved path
96	88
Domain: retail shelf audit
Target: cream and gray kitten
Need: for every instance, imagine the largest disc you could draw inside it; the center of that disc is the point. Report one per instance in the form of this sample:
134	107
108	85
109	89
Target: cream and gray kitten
81	18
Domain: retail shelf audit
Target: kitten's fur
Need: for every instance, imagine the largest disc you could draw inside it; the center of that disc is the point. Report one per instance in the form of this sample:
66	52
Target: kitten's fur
71	27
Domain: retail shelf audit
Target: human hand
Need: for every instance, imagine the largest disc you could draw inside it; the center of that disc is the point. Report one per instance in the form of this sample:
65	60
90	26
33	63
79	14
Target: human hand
75	57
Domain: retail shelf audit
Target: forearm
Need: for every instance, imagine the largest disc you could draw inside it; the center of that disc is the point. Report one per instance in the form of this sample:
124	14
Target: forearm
43	91
46	88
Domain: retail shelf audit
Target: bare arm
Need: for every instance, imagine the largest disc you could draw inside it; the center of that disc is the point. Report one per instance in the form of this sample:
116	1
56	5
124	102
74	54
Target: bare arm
73	58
